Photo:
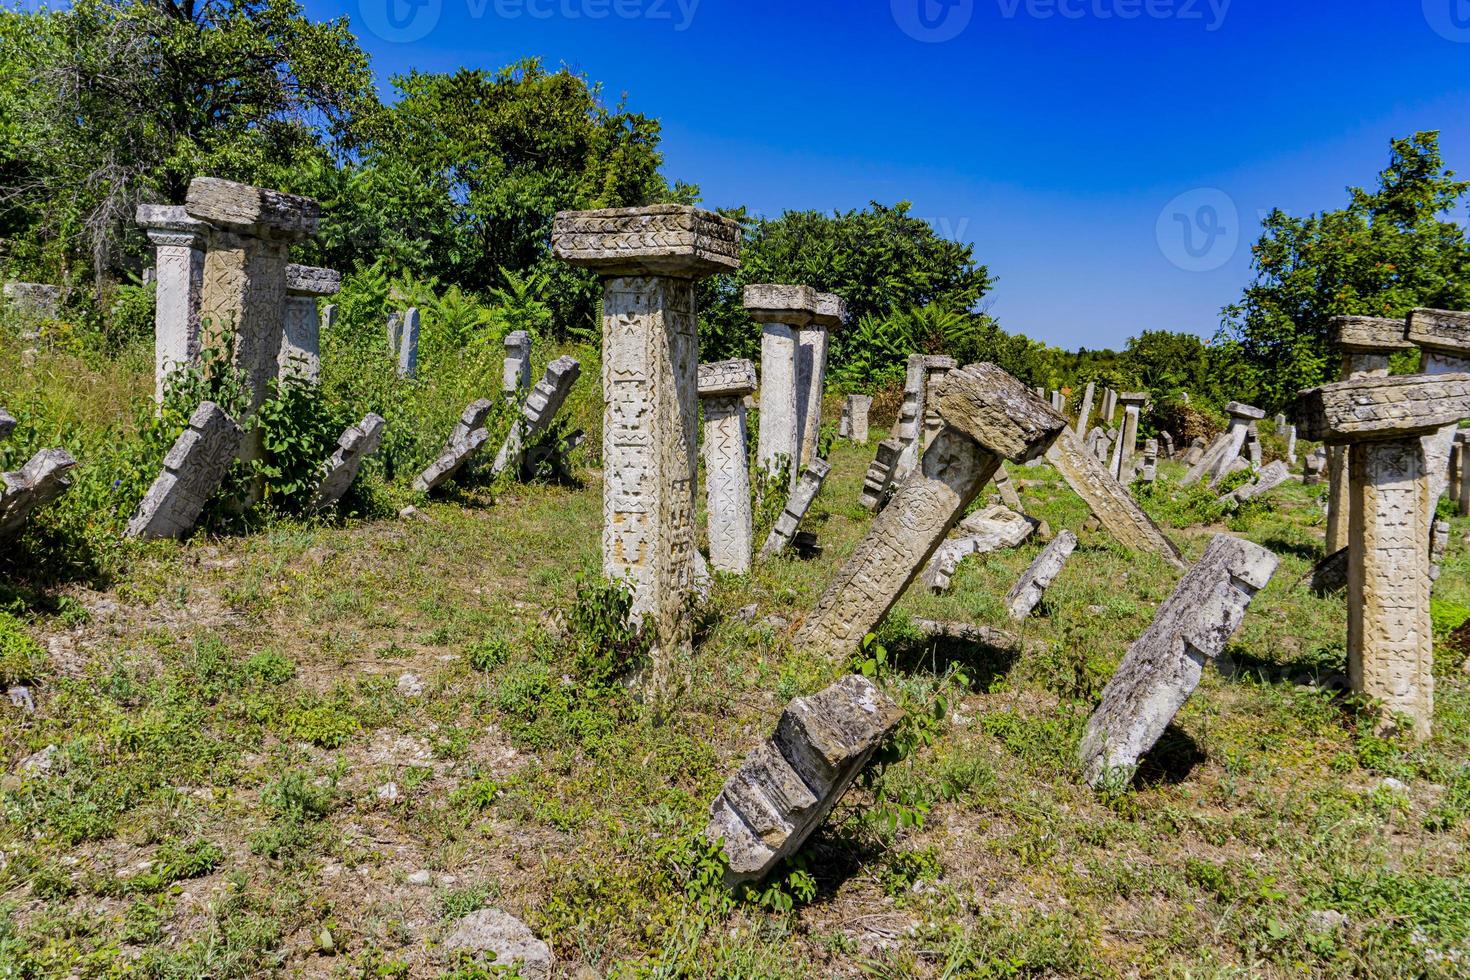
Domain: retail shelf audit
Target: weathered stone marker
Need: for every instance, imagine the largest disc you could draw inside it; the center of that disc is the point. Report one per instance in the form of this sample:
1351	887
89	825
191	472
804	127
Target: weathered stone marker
32	487
357	444
936	367
854	425
988	417
1253	451
1221	456
37	299
1270	477
782	312
649	259
1026	594
1110	406
178	243
797	505
469	437
515	378
1109	501
1084	414
1007	488
1166	444
985	531
1444	337
536	416
1463	497
1391	519
7	424
1196	451
723	388
1367	343
1313	468
786	787
192	472
1163	667
880	473
408	343
812	343
908	428
301	336
1149	472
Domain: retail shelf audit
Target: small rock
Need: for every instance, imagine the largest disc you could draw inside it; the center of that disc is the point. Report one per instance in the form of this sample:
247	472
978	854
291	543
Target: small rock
420	878
409	685
20	697
1325	921
388	792
747	614
777	623
1096	610
1394	785
411	513
512	942
40	762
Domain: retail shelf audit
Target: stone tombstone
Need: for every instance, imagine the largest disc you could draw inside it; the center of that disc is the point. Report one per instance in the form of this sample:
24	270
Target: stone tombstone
1110	406
989	417
1366	343
1166	444
1163	667
909	427
1196	451
38	483
8	423
1084	414
880	474
1132	402
469	437
1057	401
329	317
782	312
1390	526
192	471
395	335
1253	451
301	335
539	411
1007	488
936	366
1444	338
37	299
1291	445
179	244
408	344
1026	594
515	377
1313	469
1222	454
812	342
649	260
356	444
245	278
1149	473
1102	450
855	418
787	786
1271	476
723	388
1109	501
797	505
985	531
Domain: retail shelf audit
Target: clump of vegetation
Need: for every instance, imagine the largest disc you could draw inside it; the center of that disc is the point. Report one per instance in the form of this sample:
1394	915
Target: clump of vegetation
21	657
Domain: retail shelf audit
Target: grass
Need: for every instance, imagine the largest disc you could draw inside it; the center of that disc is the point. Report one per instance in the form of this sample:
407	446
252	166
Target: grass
242	785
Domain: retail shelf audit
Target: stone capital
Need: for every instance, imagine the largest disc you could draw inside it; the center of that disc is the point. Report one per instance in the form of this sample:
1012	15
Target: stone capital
1369	334
794	306
1239	411
939	362
256	212
170	224
995	410
306	280
664	240
831	312
727	379
1370	409
1137	399
1441	331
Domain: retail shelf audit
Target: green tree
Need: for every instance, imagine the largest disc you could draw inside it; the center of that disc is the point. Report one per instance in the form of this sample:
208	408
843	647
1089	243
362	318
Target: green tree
1388	251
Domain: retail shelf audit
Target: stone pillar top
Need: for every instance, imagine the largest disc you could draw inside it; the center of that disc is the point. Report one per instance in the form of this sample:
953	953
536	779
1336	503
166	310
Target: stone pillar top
1369	334
1461	435
727	379
1140	399
307	280
664	240
1369	409
170	224
1240	410
831	312
939	362
1442	331
794	306
255	211
989	406
518	341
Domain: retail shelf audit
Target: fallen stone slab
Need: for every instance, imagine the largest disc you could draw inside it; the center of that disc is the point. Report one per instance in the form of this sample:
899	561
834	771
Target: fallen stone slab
1026	594
942	629
192	471
542	405
880	474
1007	488
797	505
511	942
357	444
1273	476
1163	667
35	485
984	531
468	438
787	786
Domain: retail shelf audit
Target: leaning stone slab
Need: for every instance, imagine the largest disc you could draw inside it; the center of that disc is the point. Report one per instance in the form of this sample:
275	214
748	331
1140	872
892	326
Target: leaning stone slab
1216	462
880	474
1162	669
797	505
35	485
516	369
1109	501
1007	488
357	444
469	436
1026	594
985	531
1273	476
989	417
192	472
786	787
542	405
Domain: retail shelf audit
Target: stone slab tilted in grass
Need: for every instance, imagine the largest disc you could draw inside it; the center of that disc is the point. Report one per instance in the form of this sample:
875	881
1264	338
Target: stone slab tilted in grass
797	505
1007	488
1026	594
1163	667
787	786
1215	464
539	411
357	444
469	437
1273	476
985	531
192	471
880	474
35	485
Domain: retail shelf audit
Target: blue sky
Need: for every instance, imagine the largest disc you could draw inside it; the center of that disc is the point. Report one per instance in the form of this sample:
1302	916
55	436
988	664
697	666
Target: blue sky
1109	159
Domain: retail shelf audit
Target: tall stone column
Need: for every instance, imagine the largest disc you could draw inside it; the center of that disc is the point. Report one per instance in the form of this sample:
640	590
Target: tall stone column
649	259
723	388
515	377
1110	406
245	276
1366	342
1445	339
811	371
908	428
936	367
782	311
1084	414
301	334
178	244
1391	516
989	417
1132	402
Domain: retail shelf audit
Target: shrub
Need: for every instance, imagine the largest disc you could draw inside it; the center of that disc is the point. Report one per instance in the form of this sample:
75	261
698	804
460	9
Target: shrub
21	658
